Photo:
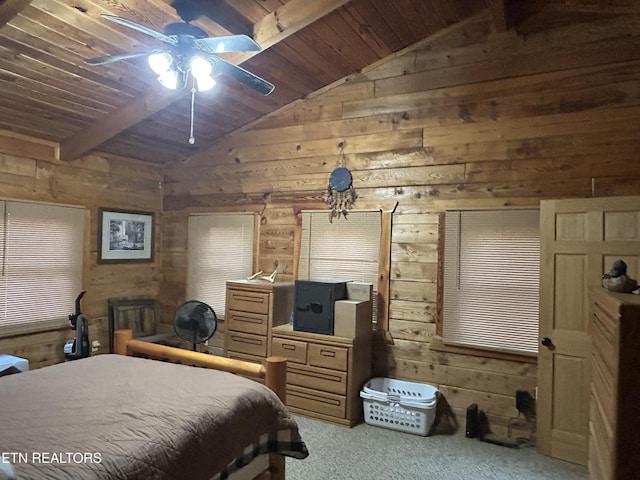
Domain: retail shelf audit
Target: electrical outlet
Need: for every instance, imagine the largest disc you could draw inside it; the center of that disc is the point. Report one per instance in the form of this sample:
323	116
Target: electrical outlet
95	346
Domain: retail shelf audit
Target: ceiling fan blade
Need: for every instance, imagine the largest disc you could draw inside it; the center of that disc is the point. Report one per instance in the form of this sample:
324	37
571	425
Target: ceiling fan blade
141	28
117	58
243	76
231	43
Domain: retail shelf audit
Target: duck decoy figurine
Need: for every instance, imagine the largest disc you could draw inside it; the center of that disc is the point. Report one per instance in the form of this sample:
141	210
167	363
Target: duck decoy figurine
616	280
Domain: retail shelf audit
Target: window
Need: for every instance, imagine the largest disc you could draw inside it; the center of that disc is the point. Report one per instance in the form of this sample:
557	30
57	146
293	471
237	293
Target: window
347	249
220	248
491	279
41	250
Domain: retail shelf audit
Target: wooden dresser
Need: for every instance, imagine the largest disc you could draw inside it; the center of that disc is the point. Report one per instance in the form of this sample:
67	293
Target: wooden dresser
253	308
614	421
324	373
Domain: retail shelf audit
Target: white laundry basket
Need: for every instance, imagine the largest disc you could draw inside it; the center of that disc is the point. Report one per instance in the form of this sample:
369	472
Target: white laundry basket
399	405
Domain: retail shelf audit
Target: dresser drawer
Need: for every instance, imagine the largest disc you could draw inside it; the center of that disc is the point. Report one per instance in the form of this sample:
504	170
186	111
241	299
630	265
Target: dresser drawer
247	322
317	378
602	391
247	301
294	351
601	441
246	343
604	349
328	356
315	401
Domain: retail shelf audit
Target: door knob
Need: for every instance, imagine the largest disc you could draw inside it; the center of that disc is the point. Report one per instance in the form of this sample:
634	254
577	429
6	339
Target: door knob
546	342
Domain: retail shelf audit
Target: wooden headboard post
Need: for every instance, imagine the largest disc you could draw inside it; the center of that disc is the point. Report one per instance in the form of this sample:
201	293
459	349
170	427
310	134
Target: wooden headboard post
120	340
276	376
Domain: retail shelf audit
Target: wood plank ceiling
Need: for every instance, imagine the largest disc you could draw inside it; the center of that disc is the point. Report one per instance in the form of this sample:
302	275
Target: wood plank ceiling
48	92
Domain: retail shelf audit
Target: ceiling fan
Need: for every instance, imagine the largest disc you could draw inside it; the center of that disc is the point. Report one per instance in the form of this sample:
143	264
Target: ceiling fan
190	52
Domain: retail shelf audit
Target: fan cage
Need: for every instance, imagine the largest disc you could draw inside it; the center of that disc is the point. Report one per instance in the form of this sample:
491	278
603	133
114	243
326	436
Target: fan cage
195	321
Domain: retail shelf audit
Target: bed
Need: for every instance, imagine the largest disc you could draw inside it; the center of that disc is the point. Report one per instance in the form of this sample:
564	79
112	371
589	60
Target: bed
120	416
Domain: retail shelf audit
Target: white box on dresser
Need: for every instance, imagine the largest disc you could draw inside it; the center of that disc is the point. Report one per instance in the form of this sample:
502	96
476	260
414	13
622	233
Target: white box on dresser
360	291
352	318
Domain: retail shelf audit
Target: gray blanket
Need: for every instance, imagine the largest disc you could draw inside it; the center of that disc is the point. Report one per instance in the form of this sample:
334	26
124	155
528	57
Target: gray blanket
117	417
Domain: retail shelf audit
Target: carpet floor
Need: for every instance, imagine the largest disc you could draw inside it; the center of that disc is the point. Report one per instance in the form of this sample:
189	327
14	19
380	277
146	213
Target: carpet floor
370	452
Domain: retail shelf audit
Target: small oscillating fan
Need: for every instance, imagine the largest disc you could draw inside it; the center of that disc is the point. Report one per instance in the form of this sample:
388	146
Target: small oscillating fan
195	322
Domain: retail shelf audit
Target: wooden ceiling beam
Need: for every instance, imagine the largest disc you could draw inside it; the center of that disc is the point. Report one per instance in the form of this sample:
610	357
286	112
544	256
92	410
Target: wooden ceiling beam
290	18
218	11
273	28
115	123
499	15
11	8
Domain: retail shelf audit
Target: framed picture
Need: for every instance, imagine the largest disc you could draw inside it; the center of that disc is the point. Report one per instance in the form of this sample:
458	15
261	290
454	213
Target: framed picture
125	236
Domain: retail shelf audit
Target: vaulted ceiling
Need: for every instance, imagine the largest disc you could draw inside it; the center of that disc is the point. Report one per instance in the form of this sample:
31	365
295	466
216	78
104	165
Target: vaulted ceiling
47	91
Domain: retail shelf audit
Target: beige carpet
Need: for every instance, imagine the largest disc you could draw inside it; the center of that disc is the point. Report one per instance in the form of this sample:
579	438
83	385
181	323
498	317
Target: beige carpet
369	452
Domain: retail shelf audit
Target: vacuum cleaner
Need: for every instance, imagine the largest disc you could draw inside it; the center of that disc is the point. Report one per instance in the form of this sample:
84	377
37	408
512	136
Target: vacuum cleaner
79	347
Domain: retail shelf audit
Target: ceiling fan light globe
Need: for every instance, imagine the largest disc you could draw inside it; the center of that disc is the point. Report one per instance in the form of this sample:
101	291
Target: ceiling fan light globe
200	67
160	62
205	83
169	79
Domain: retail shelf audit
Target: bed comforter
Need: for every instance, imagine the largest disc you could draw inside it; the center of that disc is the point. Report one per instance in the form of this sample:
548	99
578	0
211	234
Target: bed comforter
118	417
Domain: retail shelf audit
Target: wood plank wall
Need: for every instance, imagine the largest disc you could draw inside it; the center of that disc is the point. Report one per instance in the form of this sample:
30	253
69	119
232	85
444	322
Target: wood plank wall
468	118
29	171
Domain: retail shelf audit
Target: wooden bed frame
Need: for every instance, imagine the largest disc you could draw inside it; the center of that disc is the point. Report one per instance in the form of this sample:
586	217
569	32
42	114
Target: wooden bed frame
273	373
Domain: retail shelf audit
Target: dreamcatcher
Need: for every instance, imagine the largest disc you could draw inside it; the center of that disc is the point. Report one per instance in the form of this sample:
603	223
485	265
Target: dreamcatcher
340	193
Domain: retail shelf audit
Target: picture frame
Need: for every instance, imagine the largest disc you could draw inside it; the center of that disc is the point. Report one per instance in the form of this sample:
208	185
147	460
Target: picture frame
125	236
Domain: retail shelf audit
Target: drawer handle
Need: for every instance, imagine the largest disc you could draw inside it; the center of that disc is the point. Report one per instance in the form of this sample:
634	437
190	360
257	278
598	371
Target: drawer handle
249	299
323	376
238	318
316	398
288	346
327	353
246	340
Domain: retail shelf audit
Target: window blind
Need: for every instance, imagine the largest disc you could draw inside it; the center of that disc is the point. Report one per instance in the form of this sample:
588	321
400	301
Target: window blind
220	248
345	249
42	249
491	279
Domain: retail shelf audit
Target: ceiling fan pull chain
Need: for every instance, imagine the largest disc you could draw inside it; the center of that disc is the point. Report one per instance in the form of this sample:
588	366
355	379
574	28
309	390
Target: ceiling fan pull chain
192	139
